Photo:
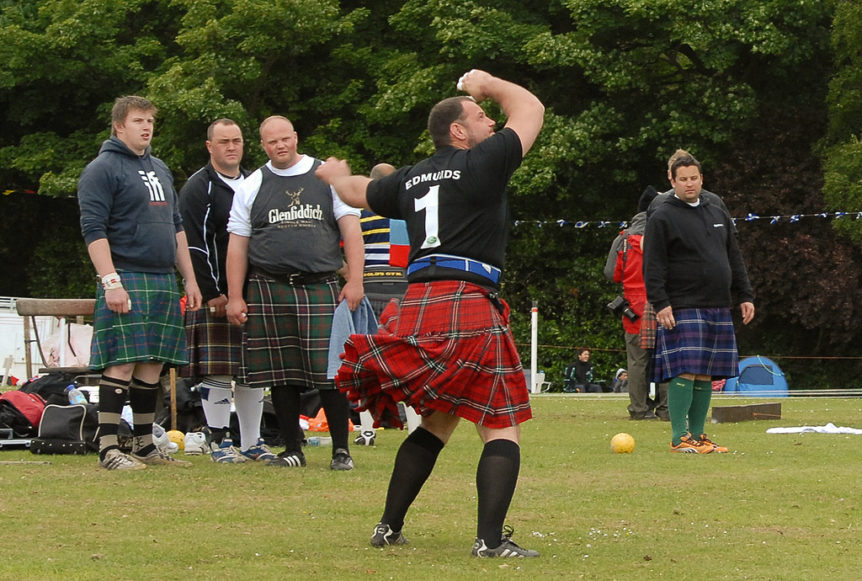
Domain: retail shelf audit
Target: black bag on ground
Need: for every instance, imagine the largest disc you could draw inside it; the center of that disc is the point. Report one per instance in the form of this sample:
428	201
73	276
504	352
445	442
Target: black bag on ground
68	429
52	387
20	412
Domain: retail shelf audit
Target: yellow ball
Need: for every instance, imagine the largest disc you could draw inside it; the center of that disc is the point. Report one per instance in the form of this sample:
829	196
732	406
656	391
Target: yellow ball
178	438
622	444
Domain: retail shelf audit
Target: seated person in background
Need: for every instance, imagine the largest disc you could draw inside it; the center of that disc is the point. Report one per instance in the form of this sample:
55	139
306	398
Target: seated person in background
579	375
621	381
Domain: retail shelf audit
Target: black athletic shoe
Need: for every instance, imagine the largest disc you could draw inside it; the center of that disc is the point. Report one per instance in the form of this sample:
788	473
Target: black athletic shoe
341	460
648	415
384	535
288	460
507	548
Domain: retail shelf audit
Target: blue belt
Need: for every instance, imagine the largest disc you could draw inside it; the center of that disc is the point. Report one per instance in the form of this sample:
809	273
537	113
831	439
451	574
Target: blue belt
492	273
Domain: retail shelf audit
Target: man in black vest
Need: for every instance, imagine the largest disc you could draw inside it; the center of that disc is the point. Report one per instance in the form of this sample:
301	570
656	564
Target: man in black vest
286	226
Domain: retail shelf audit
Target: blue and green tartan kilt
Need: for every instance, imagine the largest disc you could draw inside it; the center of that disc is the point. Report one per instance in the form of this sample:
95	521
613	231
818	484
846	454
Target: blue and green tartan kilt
286	335
152	331
702	342
214	345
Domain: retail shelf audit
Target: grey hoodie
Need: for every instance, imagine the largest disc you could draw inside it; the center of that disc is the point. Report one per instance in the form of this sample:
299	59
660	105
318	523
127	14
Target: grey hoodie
636	226
130	201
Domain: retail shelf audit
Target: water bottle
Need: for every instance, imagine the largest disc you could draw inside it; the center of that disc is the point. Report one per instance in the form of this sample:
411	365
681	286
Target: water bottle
75	395
319	441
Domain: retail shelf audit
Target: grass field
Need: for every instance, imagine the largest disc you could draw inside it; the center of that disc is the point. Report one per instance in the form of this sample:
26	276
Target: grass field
779	506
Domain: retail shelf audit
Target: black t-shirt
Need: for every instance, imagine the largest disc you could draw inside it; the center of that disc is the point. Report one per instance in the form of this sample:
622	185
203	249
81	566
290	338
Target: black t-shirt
454	202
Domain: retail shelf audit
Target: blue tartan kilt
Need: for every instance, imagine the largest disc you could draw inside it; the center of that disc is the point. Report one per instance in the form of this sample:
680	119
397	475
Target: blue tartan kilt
703	343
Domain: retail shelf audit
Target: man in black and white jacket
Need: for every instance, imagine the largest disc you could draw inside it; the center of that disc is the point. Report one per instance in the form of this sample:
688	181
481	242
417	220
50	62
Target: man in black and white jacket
215	346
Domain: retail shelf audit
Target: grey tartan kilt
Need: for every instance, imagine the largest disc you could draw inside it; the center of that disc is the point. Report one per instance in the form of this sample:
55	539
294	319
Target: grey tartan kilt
286	335
214	345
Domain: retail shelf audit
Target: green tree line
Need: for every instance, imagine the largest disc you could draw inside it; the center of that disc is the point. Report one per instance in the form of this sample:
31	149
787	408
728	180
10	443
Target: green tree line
766	94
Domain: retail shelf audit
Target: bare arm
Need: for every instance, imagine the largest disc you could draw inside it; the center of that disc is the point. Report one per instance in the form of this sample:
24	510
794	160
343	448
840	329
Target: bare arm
354	253
525	114
237	268
100	255
184	265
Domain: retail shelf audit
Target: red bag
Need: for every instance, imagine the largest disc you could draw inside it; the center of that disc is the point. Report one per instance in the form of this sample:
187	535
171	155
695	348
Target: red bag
30	405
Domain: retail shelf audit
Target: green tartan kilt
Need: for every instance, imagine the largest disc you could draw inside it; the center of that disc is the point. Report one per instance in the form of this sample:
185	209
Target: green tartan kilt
286	335
152	331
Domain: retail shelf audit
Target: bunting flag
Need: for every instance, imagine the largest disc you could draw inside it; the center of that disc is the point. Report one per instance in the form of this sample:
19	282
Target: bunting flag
399	231
750	217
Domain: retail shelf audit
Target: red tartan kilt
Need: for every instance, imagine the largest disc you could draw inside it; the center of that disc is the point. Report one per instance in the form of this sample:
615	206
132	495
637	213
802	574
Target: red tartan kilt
445	348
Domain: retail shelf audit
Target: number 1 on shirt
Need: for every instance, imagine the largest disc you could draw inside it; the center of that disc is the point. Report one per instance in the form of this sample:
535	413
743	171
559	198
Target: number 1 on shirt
430	203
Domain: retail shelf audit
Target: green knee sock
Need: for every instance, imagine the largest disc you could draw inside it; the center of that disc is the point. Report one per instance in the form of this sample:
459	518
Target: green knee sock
679	395
701	398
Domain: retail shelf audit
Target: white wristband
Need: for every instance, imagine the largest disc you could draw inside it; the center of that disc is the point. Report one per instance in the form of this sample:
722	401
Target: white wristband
111	281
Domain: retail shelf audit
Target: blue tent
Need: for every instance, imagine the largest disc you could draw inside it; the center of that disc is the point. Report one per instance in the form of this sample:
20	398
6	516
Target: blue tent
758	376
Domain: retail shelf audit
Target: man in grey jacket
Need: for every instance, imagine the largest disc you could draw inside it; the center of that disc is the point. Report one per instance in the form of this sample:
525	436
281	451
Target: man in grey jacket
135	239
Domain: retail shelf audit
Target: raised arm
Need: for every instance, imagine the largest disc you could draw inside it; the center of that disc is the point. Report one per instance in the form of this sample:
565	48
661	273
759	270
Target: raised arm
351	189
525	114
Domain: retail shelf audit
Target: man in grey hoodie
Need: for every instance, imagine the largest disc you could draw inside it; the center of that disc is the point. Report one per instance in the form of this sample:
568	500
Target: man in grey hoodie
135	239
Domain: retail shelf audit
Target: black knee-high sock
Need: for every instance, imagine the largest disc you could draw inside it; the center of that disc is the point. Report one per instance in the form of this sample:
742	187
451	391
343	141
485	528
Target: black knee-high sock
337	411
413	464
112	398
143	399
285	400
496	477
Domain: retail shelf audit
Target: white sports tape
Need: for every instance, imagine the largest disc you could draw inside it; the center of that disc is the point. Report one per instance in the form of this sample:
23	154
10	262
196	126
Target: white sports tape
460	84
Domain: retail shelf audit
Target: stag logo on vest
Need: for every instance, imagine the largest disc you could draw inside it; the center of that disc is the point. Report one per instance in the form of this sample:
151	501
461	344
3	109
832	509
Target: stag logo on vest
294	197
154	186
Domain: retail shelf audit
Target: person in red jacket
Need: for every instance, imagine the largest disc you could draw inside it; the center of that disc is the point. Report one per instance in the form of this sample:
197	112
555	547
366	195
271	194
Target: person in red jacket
625	265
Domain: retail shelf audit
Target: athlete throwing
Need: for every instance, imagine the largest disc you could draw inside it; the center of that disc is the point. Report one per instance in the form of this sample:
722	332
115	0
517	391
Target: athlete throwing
447	350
